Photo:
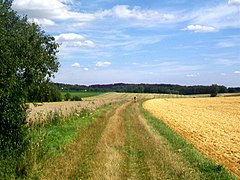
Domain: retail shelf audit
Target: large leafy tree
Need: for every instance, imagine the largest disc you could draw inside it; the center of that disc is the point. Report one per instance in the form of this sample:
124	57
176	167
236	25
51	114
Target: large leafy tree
28	60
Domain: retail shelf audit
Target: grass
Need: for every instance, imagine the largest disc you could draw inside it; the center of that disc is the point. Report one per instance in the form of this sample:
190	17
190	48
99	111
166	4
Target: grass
48	140
80	94
207	167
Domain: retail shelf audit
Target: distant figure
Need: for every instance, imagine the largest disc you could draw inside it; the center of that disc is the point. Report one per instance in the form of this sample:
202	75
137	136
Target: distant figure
135	99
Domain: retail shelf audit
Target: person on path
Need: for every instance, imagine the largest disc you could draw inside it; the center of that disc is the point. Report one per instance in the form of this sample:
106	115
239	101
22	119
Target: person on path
135	99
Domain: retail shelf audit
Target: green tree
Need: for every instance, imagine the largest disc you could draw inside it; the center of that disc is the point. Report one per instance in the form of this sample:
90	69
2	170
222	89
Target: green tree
67	96
214	90
28	59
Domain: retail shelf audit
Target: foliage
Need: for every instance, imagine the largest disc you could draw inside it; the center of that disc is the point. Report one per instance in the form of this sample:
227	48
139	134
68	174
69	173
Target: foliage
145	88
28	60
45	92
76	98
67	96
214	90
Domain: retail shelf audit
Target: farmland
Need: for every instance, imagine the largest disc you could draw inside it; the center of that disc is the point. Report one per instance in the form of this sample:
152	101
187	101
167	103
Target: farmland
109	137
80	94
210	124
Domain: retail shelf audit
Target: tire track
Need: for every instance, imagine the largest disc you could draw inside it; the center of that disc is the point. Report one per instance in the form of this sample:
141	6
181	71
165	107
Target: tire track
109	160
120	145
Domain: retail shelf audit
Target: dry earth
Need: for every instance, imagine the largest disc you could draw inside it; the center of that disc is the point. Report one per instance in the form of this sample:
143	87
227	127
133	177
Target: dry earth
210	124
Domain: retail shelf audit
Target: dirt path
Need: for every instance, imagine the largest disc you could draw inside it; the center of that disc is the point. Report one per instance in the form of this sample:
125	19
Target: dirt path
120	145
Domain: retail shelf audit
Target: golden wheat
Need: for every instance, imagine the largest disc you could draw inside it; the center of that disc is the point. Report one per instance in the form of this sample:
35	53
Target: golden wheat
210	124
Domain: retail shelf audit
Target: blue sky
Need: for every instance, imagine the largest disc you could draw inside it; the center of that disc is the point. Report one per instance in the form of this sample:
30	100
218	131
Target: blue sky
186	42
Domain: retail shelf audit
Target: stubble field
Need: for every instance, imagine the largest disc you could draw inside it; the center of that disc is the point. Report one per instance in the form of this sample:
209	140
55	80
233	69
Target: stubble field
210	124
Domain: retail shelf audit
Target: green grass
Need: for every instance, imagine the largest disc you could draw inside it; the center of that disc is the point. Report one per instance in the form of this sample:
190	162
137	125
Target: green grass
48	140
80	94
208	168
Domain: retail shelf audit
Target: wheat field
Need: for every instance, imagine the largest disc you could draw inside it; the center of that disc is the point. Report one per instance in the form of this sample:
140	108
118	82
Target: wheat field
212	125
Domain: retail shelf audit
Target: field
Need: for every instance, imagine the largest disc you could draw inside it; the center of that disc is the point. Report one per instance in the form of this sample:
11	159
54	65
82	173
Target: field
107	137
80	94
210	124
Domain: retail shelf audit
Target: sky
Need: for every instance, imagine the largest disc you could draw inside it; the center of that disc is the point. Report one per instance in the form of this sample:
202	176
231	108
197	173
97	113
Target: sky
186	42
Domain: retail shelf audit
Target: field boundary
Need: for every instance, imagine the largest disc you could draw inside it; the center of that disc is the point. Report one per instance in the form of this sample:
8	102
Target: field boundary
209	168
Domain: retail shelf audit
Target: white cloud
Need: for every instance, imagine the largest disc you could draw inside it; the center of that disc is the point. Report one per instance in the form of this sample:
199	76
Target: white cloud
226	44
200	28
124	12
103	64
77	65
43	21
69	37
88	43
227	62
221	16
234	2
236	72
54	10
85	69
192	75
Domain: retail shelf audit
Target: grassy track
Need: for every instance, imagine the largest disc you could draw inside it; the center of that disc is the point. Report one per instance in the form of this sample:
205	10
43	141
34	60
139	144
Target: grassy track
126	143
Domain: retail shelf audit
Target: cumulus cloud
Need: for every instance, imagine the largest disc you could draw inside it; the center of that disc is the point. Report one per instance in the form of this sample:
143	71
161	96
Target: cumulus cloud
103	64
54	10
200	28
125	12
77	65
69	37
236	72
43	21
234	2
74	40
85	69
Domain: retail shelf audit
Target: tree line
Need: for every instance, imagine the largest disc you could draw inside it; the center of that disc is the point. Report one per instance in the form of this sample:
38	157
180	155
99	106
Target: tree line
149	88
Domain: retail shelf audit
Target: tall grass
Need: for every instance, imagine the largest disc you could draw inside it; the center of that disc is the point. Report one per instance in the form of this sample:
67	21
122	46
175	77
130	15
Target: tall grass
45	141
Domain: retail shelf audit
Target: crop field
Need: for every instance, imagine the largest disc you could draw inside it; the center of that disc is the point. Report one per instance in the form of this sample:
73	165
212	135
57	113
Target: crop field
108	136
210	124
81	94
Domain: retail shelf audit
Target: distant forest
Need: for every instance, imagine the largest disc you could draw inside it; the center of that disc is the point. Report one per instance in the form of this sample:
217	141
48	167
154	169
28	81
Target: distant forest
149	88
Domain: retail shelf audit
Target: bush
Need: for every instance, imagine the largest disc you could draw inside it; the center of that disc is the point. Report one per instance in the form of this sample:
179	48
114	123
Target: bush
76	98
67	97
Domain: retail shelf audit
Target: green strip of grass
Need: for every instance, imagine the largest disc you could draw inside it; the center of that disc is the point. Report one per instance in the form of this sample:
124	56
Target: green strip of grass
52	138
80	94
208	168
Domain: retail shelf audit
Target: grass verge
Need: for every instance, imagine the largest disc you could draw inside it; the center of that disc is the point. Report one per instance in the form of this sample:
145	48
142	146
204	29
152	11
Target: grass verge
49	140
207	167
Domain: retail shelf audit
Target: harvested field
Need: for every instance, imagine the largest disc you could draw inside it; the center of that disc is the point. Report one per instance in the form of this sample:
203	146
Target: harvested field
210	124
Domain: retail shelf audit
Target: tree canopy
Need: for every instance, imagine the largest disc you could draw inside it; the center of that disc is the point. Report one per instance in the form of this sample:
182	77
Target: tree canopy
28	60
